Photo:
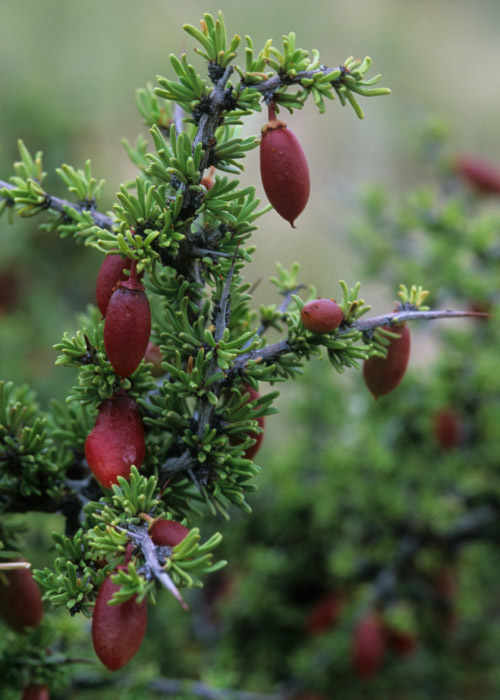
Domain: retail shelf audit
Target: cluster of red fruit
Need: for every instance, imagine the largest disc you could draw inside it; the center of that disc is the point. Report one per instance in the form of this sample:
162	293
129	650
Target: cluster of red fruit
21	608
118	630
117	439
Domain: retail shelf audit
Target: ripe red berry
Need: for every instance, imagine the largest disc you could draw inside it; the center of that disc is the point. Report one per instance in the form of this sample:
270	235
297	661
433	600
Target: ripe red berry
154	357
167	533
321	315
482	175
36	692
251	451
383	374
368	646
110	273
20	599
116	441
283	169
403	643
325	614
117	630
127	326
447	428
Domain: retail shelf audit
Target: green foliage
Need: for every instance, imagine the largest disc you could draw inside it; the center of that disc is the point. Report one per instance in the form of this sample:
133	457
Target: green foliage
337	514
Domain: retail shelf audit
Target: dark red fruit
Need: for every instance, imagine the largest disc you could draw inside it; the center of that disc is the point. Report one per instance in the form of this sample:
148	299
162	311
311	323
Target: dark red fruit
116	441
325	614
482	175
36	692
167	533
368	646
20	599
403	643
127	326
321	315
251	451
283	169
110	273
383	374
117	630
447	428
154	357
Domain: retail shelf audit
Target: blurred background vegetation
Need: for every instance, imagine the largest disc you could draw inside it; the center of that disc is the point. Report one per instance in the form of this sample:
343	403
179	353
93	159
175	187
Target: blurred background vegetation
67	77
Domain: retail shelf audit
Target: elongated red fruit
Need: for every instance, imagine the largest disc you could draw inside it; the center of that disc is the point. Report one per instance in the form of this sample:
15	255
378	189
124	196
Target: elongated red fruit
403	643
116	441
447	428
480	174
383	374
321	315
20	599
325	614
283	169
167	533
110	274
368	646
153	355
117	630
127	326
251	451
36	692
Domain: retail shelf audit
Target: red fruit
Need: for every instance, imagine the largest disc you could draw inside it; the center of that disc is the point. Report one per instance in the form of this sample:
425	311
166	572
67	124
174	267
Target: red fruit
117	630
36	692
127	327
368	646
383	374
283	169
116	441
447	428
403	643
321	315
325	614
482	175
251	451
167	533
154	357
110	273
20	599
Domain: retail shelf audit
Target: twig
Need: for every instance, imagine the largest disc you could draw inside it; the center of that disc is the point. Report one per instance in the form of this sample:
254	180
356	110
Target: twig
62	205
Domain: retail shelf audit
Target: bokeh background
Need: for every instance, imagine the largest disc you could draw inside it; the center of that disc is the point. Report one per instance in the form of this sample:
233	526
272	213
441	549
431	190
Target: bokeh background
68	72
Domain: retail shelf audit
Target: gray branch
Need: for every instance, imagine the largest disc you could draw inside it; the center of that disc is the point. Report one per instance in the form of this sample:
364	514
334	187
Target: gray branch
62	206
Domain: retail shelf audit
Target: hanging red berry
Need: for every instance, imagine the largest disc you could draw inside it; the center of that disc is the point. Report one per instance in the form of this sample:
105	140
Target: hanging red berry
383	374
127	326
153	356
368	646
36	692
251	451
283	169
321	315
480	174
447	428
325	614
20	599
110	274
116	441
117	630
167	533
402	643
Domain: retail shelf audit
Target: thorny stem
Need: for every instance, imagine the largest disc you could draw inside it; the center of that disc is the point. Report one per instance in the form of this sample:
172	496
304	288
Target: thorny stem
141	538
